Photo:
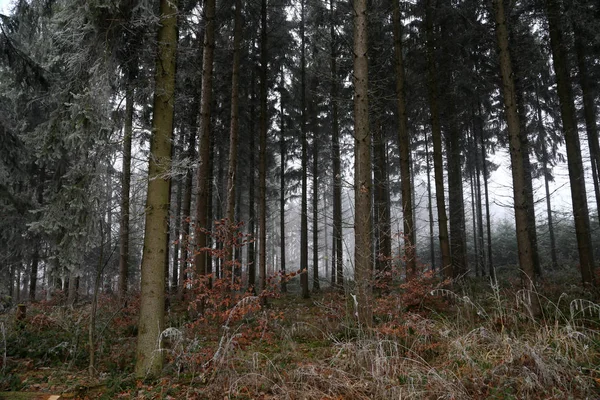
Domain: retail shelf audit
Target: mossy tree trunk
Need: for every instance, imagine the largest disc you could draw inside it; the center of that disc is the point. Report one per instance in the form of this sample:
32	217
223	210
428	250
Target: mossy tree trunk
151	321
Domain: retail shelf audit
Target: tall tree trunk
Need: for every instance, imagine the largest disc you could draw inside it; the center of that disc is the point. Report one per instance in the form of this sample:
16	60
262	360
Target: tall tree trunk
383	253
315	181
436	133
574	160
233	138
202	256
404	144
337	171
474	223
282	150
546	172
456	203
526	261
589	110
429	205
125	188
187	208
152	306
178	218
262	168
488	225
251	194
480	158
362	169
303	139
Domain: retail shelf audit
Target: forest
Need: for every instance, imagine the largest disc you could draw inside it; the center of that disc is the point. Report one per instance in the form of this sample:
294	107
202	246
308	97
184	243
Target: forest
299	199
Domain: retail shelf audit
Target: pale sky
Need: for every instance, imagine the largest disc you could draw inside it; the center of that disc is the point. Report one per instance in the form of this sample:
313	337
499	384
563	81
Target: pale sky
5	6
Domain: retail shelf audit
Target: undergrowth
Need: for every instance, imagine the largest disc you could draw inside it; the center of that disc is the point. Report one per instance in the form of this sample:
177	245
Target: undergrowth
430	340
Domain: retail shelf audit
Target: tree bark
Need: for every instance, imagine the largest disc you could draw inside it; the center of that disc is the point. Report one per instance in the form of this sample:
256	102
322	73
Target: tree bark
589	110
315	182
233	139
151	320
125	188
362	169
436	133
262	168
335	148
282	167
202	257
574	160
303	139
526	261
404	144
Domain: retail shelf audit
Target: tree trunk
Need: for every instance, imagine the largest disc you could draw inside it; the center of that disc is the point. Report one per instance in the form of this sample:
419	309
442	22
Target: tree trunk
546	172
436	133
488	225
262	168
251	195
429	205
178	218
187	207
233	139
574	160
315	181
303	139
383	251
526	261
589	110
282	150
125	188
337	171
151	320
362	169
202	255
404	144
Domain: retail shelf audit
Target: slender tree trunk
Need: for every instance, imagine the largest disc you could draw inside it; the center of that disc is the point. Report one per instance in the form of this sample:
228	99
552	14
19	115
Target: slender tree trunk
404	144
429	205
202	256
574	160
456	203
315	181
486	175
303	139
282	150
436	131
233	139
35	259
474	223
186	217
362	169
178	219
338	276
589	110
383	251
479	159
251	194
152	306
125	188
262	169
526	261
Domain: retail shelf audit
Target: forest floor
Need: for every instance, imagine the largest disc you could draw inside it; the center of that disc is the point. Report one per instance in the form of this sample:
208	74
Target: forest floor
474	341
